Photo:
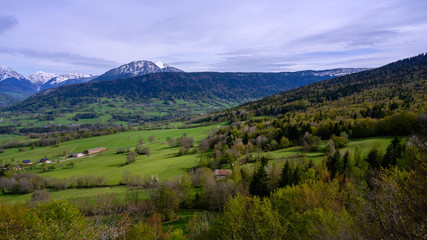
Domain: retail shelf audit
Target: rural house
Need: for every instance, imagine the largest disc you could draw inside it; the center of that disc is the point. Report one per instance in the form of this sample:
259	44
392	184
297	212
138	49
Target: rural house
77	155
45	160
222	173
26	162
94	150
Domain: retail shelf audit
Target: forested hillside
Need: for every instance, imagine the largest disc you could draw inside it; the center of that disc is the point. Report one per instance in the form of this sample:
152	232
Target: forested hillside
402	83
162	96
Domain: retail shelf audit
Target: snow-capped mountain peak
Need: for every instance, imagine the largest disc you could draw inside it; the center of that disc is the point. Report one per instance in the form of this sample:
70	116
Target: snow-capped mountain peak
135	69
41	77
7	72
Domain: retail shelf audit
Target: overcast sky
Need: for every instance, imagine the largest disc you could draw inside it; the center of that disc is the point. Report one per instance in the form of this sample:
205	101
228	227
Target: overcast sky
93	36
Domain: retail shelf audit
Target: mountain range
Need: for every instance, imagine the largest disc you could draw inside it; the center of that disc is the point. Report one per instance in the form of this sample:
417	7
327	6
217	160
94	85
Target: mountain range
165	95
15	87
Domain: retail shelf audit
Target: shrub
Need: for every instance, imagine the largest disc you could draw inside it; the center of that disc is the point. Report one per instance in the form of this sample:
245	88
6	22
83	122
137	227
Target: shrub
121	150
140	149
130	158
40	195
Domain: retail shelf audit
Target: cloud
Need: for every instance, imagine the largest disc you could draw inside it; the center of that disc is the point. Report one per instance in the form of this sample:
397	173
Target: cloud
7	22
276	35
63	57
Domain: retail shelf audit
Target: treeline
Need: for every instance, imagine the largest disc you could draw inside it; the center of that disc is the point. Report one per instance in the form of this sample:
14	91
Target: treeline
21	183
40	137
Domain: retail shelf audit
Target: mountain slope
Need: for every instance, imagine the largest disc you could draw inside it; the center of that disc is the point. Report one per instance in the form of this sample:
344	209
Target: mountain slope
167	95
402	81
14	86
134	69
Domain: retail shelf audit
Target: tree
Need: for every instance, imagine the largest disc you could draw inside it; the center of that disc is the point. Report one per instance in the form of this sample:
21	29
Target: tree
40	195
374	158
394	151
332	163
248	218
151	138
187	142
140	149
131	156
167	203
259	183
285	176
284	142
310	142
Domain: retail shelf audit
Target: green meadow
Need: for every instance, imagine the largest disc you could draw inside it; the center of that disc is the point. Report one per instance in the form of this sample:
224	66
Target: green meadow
69	194
162	162
366	144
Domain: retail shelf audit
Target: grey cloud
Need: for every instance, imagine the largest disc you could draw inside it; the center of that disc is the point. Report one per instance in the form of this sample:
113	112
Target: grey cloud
253	61
7	22
350	36
64	57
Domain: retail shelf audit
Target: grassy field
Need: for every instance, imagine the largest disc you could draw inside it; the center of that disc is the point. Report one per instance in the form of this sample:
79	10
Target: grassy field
163	160
365	144
69	194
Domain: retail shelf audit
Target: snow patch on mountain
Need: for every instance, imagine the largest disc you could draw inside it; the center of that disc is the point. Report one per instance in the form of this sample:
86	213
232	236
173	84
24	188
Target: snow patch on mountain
338	72
7	72
69	76
41	77
161	64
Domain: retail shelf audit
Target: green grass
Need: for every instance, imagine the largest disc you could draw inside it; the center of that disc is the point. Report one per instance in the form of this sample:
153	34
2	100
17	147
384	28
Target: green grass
365	144
68	194
163	160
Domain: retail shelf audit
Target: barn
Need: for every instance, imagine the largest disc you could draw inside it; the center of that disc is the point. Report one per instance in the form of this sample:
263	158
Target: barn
94	150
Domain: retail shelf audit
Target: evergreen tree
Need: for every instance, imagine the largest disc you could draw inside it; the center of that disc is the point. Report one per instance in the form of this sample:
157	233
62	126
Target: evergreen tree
285	176
296	176
374	159
333	162
245	139
345	161
394	151
258	185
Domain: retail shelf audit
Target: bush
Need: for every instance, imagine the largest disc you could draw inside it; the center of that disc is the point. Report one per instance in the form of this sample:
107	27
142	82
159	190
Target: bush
121	150
40	195
339	142
130	158
140	149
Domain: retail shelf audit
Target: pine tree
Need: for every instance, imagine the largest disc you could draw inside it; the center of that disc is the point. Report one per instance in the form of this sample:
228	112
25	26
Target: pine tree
333	163
258	185
296	176
374	159
285	176
394	151
245	139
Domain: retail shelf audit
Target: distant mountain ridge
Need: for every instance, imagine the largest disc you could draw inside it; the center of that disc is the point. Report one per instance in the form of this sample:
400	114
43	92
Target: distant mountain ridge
67	79
40	77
